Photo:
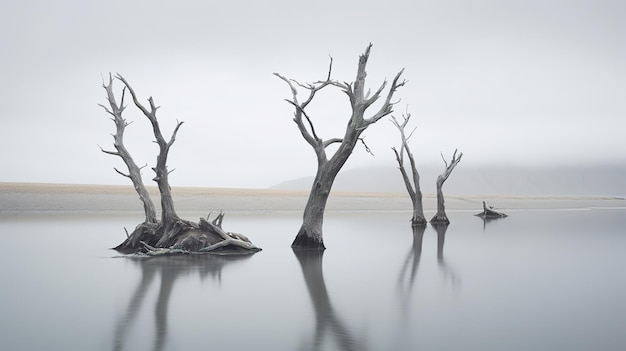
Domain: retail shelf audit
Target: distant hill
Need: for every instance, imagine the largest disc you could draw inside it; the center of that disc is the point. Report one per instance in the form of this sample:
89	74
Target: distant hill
605	180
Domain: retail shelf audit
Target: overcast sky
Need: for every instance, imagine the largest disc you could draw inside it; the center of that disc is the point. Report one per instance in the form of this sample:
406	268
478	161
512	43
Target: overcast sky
525	82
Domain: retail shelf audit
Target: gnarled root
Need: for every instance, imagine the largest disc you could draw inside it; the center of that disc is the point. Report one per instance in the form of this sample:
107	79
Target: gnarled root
153	251
440	219
228	238
186	237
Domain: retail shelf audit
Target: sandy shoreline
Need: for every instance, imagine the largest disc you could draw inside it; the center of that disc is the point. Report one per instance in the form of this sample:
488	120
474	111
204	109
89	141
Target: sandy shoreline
79	198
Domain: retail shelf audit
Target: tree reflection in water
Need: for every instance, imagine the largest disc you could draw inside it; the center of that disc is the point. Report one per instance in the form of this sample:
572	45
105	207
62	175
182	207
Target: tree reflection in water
170	268
406	279
408	274
325	315
489	220
448	272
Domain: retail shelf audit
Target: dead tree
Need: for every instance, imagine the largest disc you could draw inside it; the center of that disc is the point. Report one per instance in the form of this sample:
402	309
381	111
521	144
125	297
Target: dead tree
310	233
441	216
134	172
412	183
170	235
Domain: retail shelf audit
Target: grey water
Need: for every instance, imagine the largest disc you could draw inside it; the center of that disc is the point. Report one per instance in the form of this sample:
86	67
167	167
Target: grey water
537	280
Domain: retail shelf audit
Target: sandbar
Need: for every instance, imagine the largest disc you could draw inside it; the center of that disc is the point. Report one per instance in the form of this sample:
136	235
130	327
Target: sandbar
86	198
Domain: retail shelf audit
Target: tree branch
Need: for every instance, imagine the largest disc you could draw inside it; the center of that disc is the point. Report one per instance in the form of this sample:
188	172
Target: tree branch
173	138
413	187
332	141
387	107
449	167
114	153
405	176
122	173
367	149
315	137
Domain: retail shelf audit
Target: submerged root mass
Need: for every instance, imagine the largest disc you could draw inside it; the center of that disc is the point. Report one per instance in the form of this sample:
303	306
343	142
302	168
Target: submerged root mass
186	237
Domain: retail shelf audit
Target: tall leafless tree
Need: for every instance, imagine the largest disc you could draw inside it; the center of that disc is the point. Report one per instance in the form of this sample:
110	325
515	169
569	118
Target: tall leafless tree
441	216
412	183
310	233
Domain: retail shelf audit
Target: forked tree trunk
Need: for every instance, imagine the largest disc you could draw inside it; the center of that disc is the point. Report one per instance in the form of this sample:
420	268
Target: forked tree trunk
441	216
310	233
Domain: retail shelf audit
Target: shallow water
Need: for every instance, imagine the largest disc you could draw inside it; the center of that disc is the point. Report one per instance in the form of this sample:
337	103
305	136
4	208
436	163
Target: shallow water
537	280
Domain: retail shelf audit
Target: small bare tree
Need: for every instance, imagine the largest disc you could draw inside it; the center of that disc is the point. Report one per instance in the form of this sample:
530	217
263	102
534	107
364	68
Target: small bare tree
412	183
310	233
441	216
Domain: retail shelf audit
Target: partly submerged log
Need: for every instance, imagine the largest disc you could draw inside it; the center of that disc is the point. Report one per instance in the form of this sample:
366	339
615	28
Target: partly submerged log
489	212
186	237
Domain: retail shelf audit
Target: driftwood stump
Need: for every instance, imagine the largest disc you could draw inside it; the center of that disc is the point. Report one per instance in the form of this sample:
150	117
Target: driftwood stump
490	213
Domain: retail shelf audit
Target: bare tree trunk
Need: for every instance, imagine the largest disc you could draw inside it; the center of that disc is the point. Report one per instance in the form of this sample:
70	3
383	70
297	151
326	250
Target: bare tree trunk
134	172
441	216
310	233
412	185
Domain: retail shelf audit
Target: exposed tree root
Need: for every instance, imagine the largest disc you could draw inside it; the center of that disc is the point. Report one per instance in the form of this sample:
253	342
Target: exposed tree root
418	221
229	239
186	237
153	251
440	219
305	241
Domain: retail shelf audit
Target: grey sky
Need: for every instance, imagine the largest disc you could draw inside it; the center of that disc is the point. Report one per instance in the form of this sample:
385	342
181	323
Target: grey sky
524	82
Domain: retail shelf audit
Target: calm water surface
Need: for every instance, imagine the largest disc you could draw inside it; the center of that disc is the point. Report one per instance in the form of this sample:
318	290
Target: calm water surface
534	281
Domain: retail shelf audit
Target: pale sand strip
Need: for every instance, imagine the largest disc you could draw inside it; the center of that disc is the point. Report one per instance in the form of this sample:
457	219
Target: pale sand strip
77	198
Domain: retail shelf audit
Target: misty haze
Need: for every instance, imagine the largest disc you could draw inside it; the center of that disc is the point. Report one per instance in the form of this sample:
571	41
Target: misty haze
269	121
607	180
